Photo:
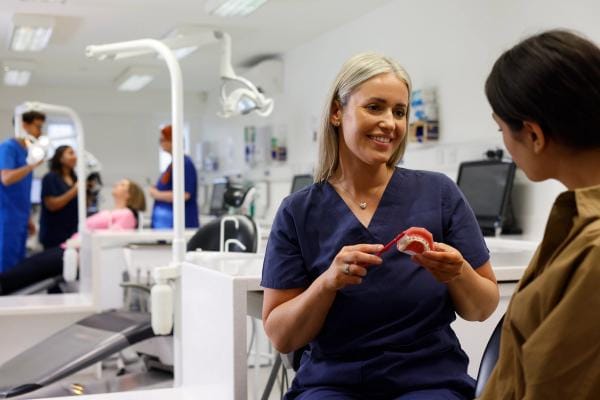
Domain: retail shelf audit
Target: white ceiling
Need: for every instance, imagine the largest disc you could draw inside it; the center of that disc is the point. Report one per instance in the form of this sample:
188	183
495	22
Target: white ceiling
278	26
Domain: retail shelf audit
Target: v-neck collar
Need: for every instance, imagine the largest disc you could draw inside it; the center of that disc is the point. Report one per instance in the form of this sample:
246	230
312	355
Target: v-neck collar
348	210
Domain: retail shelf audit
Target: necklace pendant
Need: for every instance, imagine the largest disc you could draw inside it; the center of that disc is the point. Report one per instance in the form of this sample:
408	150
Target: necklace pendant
362	205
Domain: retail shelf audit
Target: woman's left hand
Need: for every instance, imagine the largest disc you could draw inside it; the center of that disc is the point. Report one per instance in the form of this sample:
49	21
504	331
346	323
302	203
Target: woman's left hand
153	191
444	262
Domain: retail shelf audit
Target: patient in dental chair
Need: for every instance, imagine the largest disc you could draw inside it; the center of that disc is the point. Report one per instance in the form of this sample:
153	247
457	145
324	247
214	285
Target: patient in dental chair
129	200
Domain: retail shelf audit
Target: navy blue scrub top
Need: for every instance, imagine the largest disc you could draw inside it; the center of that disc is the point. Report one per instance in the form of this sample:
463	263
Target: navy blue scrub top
162	212
56	226
391	334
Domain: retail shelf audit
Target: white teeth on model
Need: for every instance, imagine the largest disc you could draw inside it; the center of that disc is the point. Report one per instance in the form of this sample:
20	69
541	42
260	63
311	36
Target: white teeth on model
381	139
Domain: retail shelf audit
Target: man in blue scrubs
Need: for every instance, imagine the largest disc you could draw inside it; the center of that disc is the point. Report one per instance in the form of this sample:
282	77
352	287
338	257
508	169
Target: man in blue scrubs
15	189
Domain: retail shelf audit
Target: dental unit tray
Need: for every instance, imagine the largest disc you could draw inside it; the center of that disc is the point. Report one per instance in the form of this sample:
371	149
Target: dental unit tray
70	350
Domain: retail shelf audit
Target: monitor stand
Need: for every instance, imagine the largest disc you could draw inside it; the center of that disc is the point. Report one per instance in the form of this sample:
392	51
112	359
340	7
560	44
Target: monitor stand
496	226
509	222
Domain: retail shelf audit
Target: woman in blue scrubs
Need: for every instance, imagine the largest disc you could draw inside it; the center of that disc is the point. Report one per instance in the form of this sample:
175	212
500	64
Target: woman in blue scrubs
162	192
58	219
376	327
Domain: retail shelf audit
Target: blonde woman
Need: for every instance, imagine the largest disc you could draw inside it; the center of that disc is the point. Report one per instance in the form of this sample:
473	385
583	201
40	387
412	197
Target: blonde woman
377	327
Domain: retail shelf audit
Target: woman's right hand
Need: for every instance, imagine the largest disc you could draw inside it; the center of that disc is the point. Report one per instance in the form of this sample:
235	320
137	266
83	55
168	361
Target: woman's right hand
350	266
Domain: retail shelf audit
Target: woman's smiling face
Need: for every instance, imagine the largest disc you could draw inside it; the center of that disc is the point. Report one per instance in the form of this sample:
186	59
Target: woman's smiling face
374	120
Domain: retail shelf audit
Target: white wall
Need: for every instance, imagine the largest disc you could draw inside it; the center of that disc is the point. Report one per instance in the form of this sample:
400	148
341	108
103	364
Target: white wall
450	45
121	129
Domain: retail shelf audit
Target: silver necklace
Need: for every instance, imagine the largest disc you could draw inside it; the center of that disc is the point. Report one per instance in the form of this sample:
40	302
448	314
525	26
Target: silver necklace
362	204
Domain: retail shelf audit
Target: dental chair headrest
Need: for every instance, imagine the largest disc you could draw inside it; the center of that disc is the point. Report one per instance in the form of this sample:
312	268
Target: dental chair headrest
234	195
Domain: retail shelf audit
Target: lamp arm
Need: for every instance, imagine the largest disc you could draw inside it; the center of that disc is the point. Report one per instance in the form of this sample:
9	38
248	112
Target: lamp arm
111	50
166	304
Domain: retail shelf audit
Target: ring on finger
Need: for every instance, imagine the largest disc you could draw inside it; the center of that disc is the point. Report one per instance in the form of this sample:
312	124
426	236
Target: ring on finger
346	269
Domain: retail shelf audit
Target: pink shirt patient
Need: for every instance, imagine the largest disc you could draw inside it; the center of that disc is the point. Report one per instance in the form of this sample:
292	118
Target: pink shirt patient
116	220
120	219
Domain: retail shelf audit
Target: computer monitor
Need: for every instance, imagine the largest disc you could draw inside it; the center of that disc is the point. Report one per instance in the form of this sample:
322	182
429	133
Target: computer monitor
36	191
217	204
487	186
301	181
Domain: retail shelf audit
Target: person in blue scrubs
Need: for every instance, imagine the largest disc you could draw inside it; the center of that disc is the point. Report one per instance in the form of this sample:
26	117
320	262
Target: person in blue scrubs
15	192
162	192
58	218
374	327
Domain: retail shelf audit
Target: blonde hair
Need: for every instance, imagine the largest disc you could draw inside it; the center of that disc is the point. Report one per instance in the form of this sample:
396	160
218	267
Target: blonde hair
357	70
137	199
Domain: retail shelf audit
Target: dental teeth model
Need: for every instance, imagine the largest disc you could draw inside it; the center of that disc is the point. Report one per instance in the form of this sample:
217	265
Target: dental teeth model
415	241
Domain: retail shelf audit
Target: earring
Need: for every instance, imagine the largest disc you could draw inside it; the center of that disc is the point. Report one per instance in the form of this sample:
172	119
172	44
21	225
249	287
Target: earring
336	123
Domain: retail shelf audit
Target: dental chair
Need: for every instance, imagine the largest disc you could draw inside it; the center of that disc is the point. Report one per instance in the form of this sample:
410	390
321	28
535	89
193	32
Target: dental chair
57	283
227	233
40	287
76	347
230	232
99	336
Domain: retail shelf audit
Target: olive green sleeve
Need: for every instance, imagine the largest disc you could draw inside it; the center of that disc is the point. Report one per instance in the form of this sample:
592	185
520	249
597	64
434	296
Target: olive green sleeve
561	359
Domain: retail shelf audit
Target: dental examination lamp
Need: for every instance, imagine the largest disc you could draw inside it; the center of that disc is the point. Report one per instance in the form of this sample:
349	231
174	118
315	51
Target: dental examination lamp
242	100
165	295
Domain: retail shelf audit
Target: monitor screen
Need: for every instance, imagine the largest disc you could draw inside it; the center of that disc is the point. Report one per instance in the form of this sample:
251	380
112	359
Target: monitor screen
217	205
36	191
487	186
301	181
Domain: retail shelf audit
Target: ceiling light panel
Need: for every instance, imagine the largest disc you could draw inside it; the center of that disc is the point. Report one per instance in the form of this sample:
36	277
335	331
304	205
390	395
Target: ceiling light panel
30	32
17	73
44	1
135	78
232	8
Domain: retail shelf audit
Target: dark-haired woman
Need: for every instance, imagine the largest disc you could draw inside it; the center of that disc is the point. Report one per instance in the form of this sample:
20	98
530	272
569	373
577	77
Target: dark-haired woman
545	95
58	219
162	193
